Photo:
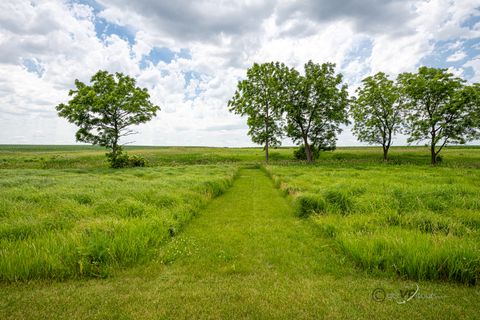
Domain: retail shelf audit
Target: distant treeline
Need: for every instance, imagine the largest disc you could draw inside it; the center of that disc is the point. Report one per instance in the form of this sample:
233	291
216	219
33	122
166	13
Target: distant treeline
431	104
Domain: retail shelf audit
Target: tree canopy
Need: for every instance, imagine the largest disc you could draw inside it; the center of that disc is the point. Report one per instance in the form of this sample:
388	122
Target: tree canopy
316	105
105	110
259	97
377	111
440	108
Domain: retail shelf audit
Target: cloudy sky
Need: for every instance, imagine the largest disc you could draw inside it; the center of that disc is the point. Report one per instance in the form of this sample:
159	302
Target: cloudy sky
190	55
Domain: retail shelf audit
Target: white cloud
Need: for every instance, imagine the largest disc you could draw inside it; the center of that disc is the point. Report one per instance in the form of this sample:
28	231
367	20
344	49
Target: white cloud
60	39
459	55
474	63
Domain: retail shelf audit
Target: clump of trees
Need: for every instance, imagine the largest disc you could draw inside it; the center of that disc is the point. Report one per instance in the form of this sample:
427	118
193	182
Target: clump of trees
105	111
280	101
430	105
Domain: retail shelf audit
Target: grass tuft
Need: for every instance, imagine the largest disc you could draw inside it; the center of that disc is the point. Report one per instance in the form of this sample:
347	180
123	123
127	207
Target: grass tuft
307	205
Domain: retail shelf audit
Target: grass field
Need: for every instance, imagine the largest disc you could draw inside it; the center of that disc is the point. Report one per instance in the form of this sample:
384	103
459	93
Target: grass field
69	223
417	222
89	157
79	240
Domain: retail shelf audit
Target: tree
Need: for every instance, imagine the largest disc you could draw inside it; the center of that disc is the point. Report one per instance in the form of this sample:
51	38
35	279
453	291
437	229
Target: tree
316	105
439	108
106	109
259	98
475	97
377	111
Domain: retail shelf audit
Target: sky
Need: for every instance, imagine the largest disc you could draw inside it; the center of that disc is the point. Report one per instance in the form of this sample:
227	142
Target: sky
191	54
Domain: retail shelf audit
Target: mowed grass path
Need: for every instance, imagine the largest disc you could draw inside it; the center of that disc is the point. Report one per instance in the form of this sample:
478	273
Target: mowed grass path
245	256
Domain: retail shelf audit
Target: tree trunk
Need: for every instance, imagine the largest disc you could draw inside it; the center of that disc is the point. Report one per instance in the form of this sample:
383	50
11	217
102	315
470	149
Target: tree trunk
385	153
266	151
433	154
114	151
432	146
266	131
308	150
115	140
386	145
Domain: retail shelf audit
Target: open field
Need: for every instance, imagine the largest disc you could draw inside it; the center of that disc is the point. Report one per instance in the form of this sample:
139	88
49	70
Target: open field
64	157
87	157
69	223
417	222
79	240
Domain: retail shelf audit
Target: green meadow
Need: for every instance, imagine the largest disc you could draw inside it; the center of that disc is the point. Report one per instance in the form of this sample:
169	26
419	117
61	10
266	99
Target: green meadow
218	233
414	222
70	223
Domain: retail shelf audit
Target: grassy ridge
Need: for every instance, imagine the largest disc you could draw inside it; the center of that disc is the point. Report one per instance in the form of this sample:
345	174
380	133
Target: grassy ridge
417	222
72	223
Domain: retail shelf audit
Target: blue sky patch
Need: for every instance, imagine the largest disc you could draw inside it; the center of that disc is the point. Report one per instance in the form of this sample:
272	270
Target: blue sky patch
360	52
91	3
472	21
163	54
185	54
104	28
33	66
189	76
443	50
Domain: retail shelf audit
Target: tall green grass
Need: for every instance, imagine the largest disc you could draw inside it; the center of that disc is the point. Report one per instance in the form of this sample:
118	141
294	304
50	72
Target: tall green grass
414	221
61	224
414	254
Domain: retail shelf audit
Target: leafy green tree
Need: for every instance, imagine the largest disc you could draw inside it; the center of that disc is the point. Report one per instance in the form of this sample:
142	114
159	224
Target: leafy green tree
474	91
439	108
259	98
316	106
377	111
106	109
